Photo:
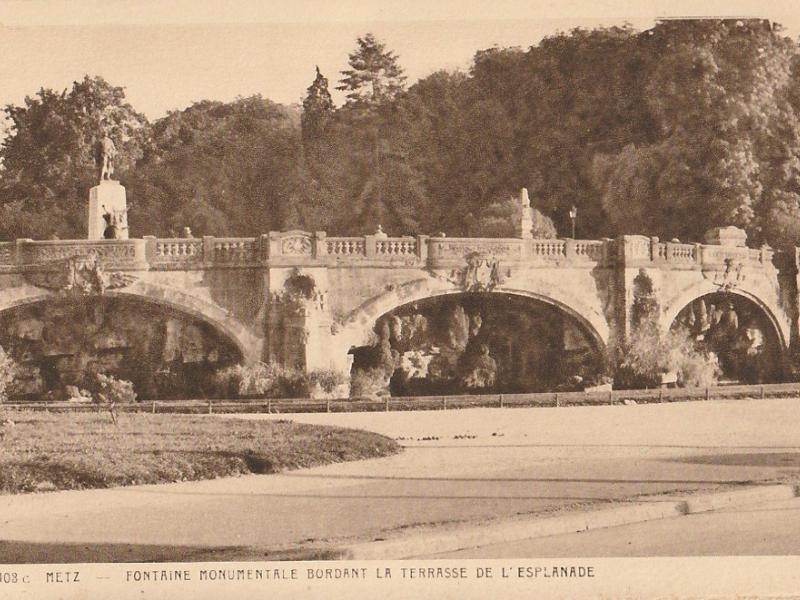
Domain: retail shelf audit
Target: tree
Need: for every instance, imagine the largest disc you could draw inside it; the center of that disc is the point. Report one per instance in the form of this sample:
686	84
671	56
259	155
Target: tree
725	145
374	77
359	169
433	124
318	109
50	156
219	168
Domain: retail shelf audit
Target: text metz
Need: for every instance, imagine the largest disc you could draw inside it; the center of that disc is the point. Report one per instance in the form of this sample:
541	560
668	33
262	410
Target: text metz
62	576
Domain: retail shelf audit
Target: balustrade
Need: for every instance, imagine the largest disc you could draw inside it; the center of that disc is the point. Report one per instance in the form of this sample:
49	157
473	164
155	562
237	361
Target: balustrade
206	252
7	253
396	247
354	246
681	253
178	251
549	249
589	249
234	250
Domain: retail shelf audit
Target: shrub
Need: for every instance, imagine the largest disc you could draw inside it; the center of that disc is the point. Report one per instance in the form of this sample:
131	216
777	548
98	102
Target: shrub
697	369
263	380
369	383
119	391
8	371
113	391
543	227
649	354
327	379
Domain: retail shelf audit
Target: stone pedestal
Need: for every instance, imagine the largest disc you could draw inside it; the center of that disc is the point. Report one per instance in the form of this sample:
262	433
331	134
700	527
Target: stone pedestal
109	196
726	236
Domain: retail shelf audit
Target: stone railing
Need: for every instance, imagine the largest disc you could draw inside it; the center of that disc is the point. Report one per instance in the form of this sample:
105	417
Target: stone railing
7	253
178	252
294	246
375	248
456	250
120	254
548	249
299	247
396	247
637	249
593	250
194	253
353	246
235	251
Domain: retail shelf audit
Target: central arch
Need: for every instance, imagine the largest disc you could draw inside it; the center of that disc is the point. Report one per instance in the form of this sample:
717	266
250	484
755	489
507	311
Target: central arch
429	340
357	326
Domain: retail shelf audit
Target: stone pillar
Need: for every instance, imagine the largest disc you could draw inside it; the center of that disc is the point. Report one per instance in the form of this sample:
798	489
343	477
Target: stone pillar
526	220
208	251
149	248
569	249
19	251
108	196
633	254
422	247
320	249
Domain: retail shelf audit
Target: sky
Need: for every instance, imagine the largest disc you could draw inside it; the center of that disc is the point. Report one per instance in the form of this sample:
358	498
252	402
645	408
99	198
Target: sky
169	54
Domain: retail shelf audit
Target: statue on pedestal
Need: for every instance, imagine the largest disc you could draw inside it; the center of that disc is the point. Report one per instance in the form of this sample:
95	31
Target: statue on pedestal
108	209
108	151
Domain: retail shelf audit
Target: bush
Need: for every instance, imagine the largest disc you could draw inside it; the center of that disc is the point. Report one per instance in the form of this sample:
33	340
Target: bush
113	391
650	354
262	380
327	379
543	227
8	371
369	383
118	391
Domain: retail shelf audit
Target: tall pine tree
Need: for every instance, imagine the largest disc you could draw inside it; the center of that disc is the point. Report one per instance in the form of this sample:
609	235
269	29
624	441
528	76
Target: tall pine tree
317	109
374	76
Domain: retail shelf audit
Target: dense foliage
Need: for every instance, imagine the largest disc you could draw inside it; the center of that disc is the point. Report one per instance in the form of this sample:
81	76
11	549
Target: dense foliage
8	370
667	132
651	354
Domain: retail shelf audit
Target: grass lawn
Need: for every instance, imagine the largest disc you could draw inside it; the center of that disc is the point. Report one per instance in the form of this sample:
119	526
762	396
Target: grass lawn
44	451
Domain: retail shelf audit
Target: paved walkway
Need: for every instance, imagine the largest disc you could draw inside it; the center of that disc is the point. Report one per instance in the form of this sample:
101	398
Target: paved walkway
486	463
769	528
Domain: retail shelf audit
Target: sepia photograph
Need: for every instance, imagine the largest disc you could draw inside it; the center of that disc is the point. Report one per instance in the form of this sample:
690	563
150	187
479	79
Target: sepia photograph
421	299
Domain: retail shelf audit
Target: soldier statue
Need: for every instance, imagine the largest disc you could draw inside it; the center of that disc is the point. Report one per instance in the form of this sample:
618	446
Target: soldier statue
108	153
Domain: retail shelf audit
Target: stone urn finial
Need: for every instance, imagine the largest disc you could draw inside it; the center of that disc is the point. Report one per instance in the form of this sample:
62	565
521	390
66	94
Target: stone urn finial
380	233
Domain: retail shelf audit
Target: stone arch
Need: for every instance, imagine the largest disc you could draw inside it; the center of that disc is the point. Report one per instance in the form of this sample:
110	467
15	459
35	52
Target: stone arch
357	326
773	313
246	343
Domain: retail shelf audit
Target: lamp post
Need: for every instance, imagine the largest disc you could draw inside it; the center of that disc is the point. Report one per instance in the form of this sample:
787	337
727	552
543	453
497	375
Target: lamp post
573	214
